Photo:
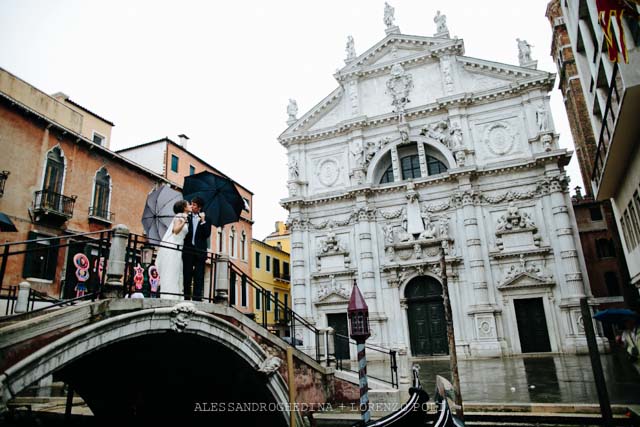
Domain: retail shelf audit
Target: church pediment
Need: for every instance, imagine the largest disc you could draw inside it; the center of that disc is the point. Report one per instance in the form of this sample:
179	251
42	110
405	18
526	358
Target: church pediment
480	75
525	280
332	298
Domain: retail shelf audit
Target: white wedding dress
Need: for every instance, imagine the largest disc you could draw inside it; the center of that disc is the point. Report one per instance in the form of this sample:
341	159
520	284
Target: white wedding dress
169	262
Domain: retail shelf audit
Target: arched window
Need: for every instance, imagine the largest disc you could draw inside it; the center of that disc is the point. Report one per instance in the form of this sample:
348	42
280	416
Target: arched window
54	171
101	195
220	239
410	166
387	176
232	242
435	166
243	246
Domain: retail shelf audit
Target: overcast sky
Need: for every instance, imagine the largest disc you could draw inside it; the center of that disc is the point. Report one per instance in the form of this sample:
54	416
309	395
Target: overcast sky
222	72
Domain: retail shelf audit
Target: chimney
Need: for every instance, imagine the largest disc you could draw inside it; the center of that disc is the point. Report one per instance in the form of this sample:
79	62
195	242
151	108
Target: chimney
183	140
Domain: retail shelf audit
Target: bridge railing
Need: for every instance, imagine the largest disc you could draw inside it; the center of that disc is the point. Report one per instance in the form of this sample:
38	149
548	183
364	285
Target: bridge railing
290	318
390	355
43	247
140	247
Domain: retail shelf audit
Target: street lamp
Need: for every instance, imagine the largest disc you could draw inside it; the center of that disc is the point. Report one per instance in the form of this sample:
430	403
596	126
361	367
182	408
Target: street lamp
359	331
146	255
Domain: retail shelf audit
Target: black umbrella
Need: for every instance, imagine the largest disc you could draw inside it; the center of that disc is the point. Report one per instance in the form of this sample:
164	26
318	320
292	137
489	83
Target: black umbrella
6	224
222	202
158	211
616	315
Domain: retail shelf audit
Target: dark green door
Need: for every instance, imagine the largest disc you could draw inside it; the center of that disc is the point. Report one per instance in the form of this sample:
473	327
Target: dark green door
532	325
339	324
427	327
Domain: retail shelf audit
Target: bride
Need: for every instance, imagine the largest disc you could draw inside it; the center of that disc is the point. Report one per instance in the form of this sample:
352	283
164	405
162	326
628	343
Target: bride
169	260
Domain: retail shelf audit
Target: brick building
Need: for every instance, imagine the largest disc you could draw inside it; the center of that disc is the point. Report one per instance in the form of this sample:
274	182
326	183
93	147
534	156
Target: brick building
63	181
603	251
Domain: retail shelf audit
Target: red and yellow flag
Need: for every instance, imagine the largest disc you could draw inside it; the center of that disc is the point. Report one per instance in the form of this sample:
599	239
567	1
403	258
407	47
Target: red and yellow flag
610	11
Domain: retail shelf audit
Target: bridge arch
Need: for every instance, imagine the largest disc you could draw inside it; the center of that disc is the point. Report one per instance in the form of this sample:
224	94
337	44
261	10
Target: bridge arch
202	335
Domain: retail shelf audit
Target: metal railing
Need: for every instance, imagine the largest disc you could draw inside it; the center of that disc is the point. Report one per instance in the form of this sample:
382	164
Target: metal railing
608	126
49	201
102	214
391	354
290	318
101	240
135	252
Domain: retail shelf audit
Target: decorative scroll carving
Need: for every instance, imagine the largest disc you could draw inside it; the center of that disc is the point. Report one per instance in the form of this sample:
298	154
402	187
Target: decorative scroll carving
510	195
514	220
398	87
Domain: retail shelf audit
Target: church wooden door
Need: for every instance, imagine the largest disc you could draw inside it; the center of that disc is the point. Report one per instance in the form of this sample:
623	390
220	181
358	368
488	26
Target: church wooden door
532	325
427	327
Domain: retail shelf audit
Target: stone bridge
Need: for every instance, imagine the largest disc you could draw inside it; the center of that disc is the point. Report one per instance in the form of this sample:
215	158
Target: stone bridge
159	359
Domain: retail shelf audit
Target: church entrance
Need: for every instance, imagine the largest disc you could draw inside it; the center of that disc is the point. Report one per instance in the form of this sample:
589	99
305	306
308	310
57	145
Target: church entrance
532	325
338	321
427	326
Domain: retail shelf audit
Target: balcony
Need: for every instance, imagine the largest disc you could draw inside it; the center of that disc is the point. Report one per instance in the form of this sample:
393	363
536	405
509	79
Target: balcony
101	215
282	277
53	206
3	179
618	134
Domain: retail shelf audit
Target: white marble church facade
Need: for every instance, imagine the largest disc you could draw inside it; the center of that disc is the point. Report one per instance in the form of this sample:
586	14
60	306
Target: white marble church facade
422	148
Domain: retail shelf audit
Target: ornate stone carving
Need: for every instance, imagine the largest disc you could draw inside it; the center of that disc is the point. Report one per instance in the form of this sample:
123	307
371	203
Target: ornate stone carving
464	198
292	112
438	131
456	136
398	87
350	49
294	170
514	220
328	172
391	214
389	15
531	269
441	23
387	230
445	65
461	158
500	138
330	243
270	365
511	195
180	315
524	52
542	119
332	288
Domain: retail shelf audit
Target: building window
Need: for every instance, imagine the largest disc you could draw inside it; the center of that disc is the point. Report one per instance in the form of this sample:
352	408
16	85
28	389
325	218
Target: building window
220	239
192	169
285	270
54	172
243	288
611	281
101	194
99	139
232	242
410	167
634	225
605	249
596	214
257	259
41	260
276	267
286	303
268	263
435	166
174	163
258	299
387	176
247	205
276	315
243	246
268	300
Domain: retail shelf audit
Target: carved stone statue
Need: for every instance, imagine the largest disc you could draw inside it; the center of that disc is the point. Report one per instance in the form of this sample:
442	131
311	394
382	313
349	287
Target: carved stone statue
514	220
294	171
437	131
524	51
292	111
461	158
441	23
456	136
270	365
429	228
414	216
443	228
542	119
388	234
389	17
398	87
358	153
350	49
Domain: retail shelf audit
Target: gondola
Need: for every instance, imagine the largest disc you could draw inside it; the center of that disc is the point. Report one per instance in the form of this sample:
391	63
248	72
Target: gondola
414	412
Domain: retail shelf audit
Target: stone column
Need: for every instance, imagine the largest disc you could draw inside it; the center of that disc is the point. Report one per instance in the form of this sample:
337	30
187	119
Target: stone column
485	340
117	261
22	302
222	279
395	163
564	234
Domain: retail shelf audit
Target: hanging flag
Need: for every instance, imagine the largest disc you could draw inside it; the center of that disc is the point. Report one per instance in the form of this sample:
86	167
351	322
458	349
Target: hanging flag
610	12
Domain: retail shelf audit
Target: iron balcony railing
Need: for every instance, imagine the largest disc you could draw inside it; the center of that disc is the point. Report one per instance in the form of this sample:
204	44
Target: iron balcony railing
47	201
3	179
102	214
608	125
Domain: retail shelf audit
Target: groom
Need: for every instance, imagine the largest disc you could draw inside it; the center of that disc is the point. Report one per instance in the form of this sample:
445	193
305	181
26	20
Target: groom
194	253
